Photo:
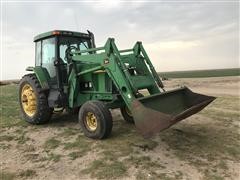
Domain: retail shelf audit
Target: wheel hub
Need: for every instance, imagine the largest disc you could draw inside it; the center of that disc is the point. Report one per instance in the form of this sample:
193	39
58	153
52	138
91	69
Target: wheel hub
91	121
28	99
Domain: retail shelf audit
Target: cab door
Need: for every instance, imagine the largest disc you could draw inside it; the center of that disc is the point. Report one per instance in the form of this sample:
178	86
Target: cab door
49	56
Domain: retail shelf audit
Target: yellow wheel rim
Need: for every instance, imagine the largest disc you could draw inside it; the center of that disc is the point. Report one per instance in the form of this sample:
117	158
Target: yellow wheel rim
28	99
128	111
91	121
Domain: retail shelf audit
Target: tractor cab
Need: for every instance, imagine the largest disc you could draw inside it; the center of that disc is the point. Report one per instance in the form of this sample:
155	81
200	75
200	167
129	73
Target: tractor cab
52	47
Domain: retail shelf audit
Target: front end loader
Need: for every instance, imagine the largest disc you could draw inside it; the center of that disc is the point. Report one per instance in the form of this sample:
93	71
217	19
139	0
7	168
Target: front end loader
72	73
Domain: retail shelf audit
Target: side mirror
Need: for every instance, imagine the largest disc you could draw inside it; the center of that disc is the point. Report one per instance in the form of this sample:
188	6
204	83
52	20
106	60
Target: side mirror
92	39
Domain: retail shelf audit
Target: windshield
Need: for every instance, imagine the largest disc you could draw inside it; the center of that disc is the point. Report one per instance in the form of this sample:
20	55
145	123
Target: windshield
78	42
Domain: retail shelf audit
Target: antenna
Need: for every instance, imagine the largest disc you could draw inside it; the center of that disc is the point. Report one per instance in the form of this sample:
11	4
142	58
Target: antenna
76	20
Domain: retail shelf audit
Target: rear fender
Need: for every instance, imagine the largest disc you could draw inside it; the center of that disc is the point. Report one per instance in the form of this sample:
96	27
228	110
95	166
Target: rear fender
42	76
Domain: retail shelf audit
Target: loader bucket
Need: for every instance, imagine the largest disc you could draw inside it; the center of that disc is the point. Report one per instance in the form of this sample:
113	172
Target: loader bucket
155	113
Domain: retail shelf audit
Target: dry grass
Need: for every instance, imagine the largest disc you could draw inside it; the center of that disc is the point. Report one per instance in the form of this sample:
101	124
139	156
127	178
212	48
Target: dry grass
205	146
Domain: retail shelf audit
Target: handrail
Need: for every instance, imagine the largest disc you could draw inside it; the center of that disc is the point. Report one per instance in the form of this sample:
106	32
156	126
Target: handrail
90	70
125	50
89	50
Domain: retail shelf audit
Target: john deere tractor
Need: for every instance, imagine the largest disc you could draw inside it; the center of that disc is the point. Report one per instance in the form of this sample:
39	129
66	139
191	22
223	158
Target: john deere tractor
71	73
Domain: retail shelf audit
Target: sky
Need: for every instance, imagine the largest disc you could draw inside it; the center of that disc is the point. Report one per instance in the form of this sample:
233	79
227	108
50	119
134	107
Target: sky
177	35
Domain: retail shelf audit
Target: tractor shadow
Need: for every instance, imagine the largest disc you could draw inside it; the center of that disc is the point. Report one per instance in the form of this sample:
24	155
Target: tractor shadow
63	120
67	120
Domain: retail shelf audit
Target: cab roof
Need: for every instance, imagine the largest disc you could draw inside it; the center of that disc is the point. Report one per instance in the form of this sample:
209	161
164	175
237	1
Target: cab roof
60	33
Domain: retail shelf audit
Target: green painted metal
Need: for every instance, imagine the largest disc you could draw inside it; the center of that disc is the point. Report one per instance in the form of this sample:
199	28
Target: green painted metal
89	70
115	77
138	49
116	73
42	76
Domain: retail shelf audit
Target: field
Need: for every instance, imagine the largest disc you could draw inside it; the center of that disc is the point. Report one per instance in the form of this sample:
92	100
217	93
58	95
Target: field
201	73
204	146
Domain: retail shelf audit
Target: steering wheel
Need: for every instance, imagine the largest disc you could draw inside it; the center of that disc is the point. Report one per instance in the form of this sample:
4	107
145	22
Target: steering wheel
68	55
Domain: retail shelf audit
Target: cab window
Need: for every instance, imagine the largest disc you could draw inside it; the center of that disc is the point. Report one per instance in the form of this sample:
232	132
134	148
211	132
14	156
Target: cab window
65	42
48	55
38	54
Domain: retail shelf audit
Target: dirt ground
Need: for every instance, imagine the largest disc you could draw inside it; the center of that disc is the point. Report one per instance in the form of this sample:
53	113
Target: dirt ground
204	146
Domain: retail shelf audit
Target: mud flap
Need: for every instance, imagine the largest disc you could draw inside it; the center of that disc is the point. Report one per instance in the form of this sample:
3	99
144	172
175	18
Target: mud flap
155	113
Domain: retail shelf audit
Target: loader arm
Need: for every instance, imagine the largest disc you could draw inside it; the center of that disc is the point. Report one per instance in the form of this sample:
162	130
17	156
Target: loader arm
112	61
131	70
109	61
138	50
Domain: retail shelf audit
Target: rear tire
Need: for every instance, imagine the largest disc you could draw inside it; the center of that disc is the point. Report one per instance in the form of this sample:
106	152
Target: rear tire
95	120
33	101
126	113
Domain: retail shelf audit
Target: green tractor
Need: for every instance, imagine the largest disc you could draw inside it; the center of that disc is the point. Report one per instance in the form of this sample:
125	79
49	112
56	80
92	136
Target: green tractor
71	73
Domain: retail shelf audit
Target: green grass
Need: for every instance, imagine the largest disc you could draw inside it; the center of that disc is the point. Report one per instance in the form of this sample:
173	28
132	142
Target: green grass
229	117
6	138
101	169
81	144
208	147
68	132
22	138
205	147
4	146
9	107
211	175
128	141
76	154
32	157
7	175
27	173
28	148
51	143
201	73
203	143
141	175
144	162
53	157
229	102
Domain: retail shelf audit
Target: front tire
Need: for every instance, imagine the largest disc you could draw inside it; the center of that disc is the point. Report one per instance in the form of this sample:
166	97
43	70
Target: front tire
95	120
33	101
